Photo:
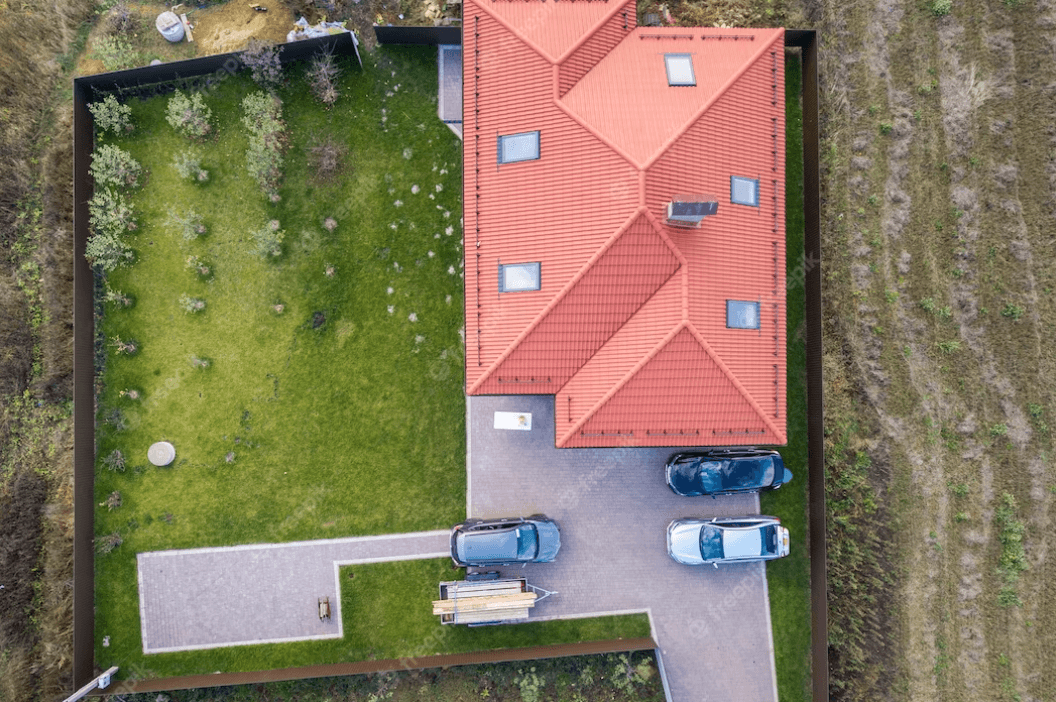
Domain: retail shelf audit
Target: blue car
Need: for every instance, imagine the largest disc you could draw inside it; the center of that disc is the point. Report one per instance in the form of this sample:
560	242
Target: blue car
725	472
726	540
499	542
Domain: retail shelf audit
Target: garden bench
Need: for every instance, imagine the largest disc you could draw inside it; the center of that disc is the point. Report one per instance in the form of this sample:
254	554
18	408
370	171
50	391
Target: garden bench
324	608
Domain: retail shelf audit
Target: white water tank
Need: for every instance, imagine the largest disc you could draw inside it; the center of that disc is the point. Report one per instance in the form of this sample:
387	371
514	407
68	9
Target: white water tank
170	26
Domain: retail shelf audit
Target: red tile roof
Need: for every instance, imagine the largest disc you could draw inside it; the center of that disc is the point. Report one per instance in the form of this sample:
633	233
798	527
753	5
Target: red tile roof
628	329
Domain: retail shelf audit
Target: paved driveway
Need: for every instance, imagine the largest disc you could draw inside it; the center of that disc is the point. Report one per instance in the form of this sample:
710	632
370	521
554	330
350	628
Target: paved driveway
613	507
261	593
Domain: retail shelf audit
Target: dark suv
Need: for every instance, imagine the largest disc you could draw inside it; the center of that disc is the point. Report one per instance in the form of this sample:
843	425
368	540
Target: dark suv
507	541
726	471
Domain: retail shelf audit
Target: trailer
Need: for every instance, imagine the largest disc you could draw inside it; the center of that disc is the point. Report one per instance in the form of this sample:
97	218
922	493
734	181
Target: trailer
484	599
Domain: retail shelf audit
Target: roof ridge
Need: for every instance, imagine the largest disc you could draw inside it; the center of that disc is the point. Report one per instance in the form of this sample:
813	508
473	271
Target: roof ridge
587	36
642	362
617	149
736	76
717	360
628	223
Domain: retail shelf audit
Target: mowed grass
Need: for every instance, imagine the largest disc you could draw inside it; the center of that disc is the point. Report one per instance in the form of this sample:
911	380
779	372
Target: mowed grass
351	426
788	579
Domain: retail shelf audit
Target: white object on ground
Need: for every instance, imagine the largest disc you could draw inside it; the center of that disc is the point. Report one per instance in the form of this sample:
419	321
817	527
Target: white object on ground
170	26
518	421
161	454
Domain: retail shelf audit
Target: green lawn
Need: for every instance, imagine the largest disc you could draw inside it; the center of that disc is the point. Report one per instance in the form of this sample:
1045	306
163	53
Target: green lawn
788	579
387	614
342	414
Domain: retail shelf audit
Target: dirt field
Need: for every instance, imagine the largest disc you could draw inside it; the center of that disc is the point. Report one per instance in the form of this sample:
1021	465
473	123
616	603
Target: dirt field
939	196
938	185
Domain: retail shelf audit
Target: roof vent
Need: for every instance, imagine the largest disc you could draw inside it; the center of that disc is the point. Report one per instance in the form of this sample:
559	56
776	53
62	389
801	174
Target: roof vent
689	210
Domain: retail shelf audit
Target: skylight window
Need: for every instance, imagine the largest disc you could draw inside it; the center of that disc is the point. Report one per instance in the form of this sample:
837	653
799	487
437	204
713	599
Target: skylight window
742	315
519	147
679	69
744	191
519	277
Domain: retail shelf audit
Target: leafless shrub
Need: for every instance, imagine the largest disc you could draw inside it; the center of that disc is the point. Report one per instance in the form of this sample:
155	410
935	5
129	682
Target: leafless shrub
115	461
327	158
263	61
106	544
112	502
322	76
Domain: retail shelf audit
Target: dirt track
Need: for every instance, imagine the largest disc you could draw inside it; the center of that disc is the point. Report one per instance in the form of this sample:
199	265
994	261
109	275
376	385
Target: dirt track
938	181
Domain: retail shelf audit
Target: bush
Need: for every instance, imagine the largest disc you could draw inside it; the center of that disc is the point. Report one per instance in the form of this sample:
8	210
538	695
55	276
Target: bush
189	116
111	115
327	159
116	53
109	212
322	76
115	461
110	216
120	20
268	239
107	252
941	8
108	543
200	268
127	348
263	61
116	167
264	159
189	224
188	165
113	501
191	304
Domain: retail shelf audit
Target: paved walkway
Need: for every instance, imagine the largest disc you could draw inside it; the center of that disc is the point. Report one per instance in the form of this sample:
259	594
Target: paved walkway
261	593
613	507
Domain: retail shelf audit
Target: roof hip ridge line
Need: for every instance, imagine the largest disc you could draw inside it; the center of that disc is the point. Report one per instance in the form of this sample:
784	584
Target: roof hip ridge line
714	98
631	219
642	362
717	360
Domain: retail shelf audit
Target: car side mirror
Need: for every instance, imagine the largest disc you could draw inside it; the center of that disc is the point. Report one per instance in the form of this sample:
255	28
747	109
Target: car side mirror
716	565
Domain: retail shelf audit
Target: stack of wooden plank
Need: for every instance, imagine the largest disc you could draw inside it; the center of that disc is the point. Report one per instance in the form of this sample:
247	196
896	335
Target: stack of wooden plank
474	602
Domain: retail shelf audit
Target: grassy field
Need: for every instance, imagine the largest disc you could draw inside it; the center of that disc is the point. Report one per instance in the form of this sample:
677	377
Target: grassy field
343	414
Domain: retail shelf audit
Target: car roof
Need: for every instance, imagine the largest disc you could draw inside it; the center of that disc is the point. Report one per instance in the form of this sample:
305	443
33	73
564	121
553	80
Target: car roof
742	542
492	544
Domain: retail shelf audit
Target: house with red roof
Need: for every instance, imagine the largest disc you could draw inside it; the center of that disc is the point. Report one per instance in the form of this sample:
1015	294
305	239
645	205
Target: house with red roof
624	222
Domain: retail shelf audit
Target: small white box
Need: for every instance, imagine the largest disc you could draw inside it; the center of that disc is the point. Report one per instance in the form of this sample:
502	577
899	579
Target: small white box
519	421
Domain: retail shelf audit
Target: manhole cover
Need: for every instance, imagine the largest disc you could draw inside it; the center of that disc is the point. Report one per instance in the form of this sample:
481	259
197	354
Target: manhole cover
161	454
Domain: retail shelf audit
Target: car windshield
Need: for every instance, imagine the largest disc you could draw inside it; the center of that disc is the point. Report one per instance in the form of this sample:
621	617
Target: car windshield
770	540
527	542
754	472
710	542
709	476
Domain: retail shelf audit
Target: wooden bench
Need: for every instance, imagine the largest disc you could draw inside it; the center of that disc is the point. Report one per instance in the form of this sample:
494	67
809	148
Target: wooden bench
324	609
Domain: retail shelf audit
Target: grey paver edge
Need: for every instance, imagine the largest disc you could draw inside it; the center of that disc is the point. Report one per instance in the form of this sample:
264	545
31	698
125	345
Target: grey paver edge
142	605
469	457
227	644
770	631
286	544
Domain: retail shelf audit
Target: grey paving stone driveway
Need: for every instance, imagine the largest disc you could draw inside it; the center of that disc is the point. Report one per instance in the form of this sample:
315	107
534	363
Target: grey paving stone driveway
613	507
260	593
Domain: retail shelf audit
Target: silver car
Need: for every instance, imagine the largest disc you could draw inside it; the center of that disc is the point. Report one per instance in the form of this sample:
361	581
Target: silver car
726	540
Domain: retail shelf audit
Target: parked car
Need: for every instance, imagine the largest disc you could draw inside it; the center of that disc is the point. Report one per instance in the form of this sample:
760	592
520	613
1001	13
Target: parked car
495	542
726	540
725	472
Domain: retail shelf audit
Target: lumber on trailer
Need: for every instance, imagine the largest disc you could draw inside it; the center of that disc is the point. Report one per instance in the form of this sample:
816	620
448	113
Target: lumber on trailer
488	603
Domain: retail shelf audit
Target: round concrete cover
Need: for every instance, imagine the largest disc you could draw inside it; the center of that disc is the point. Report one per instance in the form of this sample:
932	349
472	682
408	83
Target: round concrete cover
161	453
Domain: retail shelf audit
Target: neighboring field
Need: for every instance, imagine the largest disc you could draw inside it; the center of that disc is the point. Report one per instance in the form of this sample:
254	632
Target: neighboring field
342	414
